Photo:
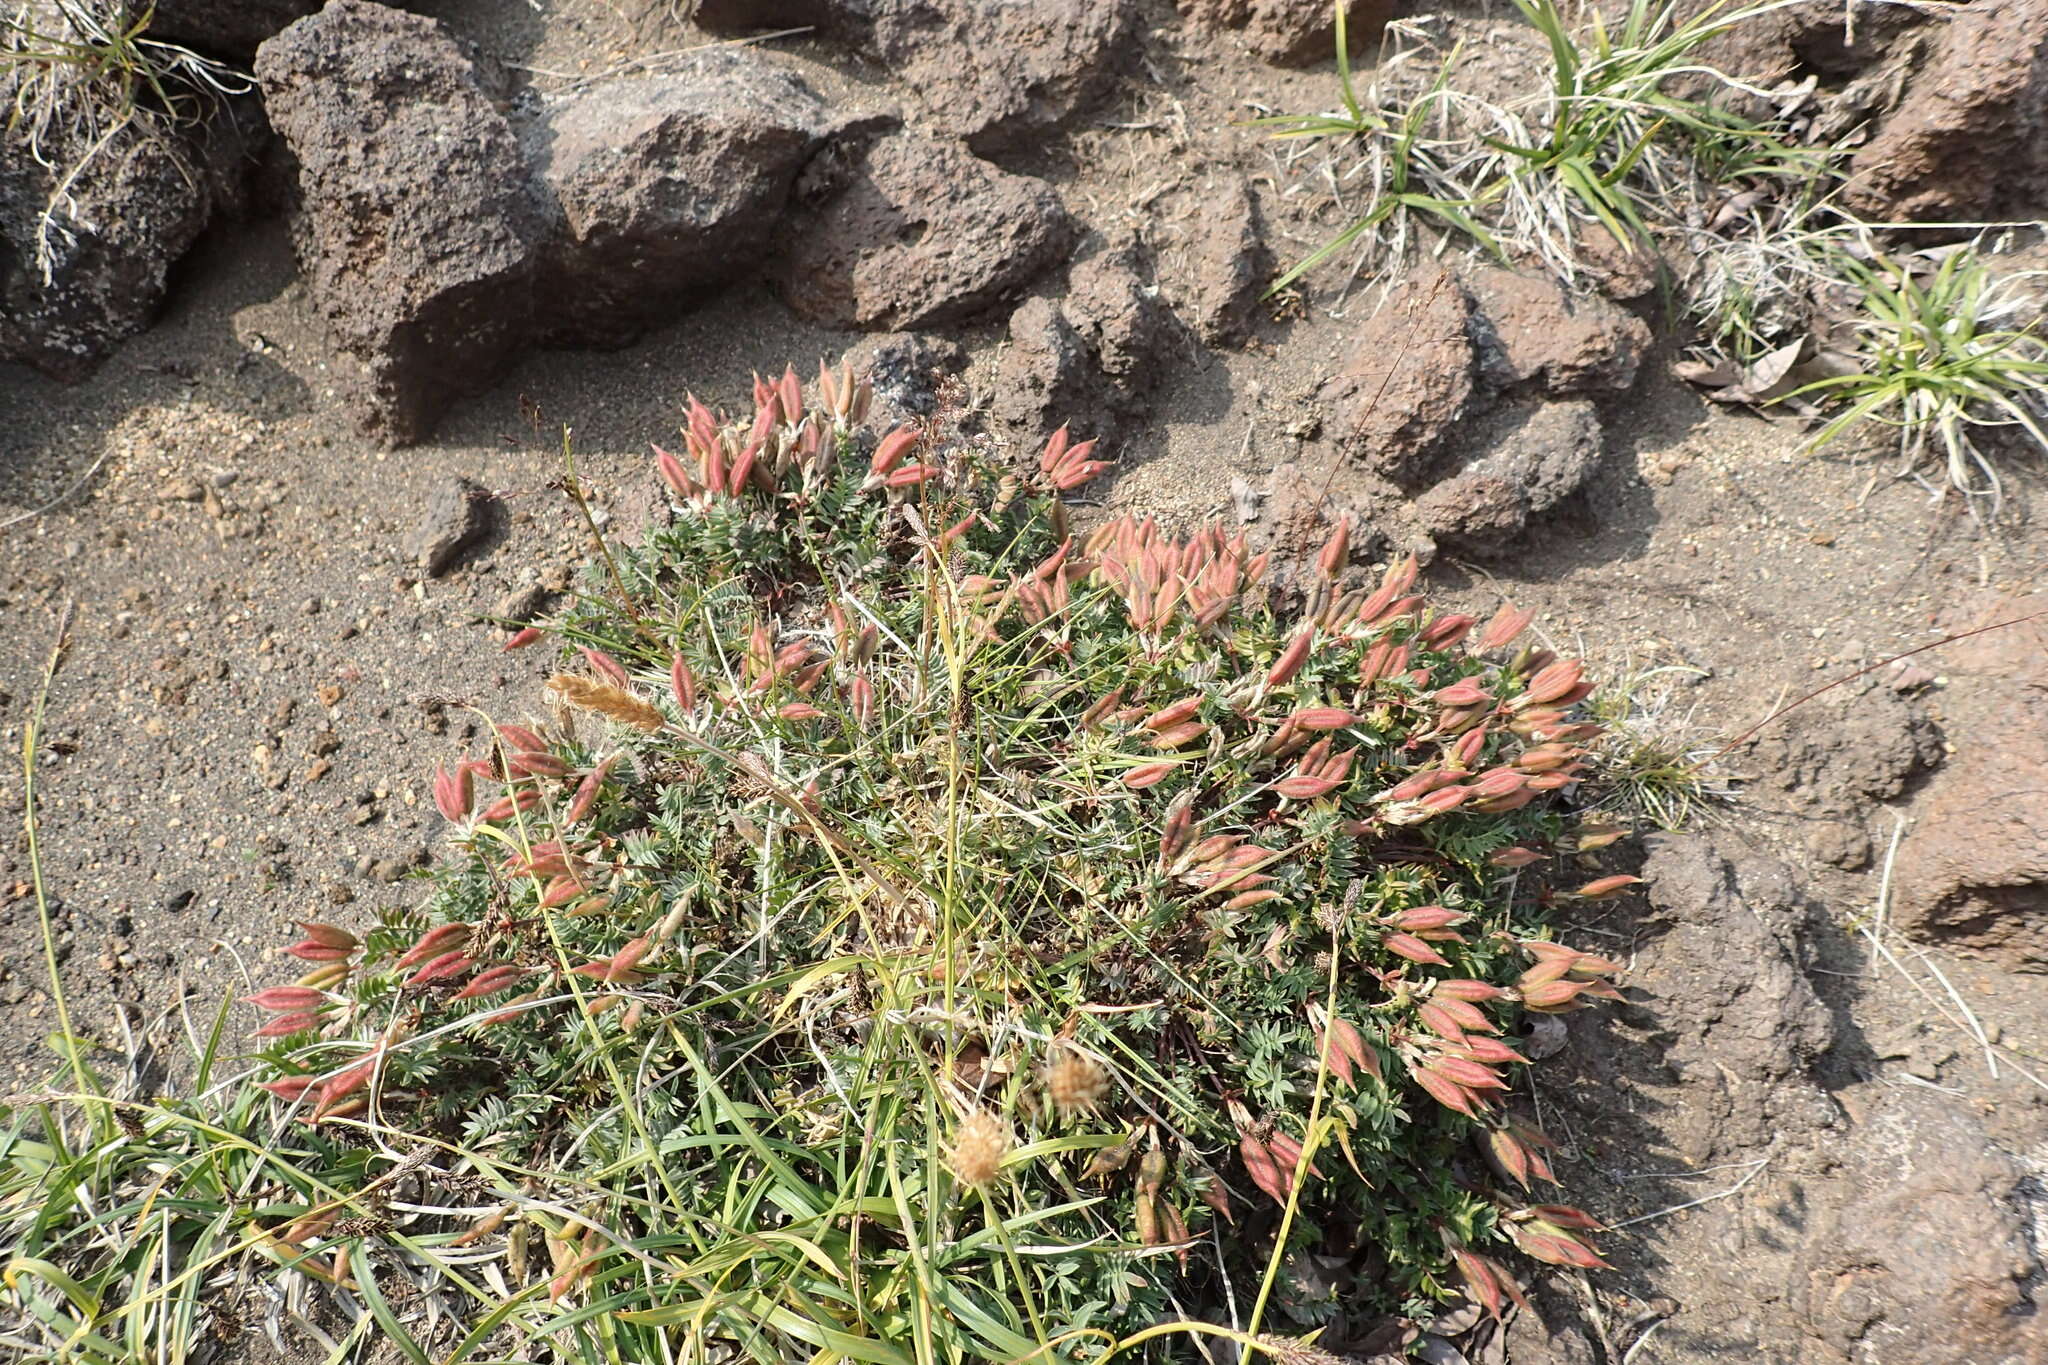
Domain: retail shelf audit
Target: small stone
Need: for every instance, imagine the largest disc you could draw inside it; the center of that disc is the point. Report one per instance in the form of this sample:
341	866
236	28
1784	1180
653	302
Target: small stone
458	516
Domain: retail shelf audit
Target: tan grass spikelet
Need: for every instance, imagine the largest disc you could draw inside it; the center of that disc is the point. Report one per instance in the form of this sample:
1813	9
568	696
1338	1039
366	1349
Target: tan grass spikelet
979	1145
613	703
1074	1082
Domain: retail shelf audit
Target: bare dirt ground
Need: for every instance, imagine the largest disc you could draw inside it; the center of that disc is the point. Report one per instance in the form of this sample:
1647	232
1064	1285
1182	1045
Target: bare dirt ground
258	682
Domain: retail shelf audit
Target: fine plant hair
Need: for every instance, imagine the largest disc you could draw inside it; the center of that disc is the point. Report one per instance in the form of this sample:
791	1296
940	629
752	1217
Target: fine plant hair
80	74
918	932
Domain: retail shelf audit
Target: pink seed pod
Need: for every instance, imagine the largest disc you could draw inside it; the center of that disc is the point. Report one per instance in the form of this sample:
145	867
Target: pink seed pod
442	968
1423	919
1446	631
588	790
279	998
1055	451
799	710
1464	988
306	950
1549	997
1605	887
911	475
860	697
674	475
434	942
683	683
1444	800
1462	693
536	764
1179	736
559	892
1501	631
1318	718
327	935
606	667
1299	788
491	982
285	1025
518	737
520	639
1492	1050
1414	949
288	1087
347	1082
889	452
1168	717
454	793
1336	551
1292	658
1514	857
505	806
1146	775
1552	685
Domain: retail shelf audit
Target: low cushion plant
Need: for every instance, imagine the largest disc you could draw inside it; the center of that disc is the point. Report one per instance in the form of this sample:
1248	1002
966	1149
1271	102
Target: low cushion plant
920	931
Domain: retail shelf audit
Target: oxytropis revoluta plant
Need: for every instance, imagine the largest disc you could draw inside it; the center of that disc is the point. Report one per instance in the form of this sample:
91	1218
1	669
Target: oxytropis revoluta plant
920	933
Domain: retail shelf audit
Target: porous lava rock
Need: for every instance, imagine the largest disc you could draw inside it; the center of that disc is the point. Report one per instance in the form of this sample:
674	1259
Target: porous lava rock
417	232
994	73
1229	264
1970	142
666	187
1536	455
914	232
1410	377
1294	32
1533	333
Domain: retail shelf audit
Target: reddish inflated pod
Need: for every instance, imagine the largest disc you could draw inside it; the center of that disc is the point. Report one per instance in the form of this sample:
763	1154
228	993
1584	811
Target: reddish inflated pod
446	967
791	391
889	452
559	892
536	764
1507	623
798	710
1322	718
285	1025
1414	949
506	806
1093	716
1336	551
306	950
520	639
1514	857
860	698
588	790
491	982
1292	658
911	475
1146	775
1606	886
1054	452
283	998
1446	631
606	667
674	475
434	942
1168	717
288	1087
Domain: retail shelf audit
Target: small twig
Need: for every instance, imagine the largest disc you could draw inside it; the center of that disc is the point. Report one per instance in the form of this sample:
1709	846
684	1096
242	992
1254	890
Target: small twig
1756	1169
1794	705
81	481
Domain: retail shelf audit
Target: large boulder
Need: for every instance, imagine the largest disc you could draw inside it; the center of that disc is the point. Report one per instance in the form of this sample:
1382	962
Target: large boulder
93	218
417	232
667	187
1294	32
1971	140
913	232
994	73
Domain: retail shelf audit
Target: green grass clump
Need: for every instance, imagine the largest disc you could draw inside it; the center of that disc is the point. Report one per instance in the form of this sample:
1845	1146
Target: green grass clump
1934	362
1628	134
919	934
